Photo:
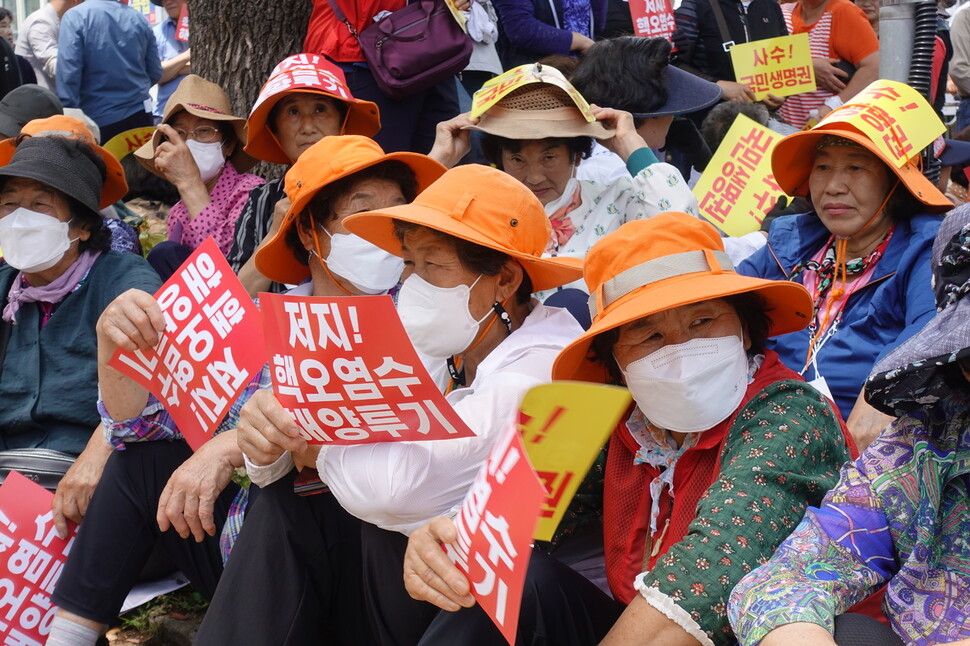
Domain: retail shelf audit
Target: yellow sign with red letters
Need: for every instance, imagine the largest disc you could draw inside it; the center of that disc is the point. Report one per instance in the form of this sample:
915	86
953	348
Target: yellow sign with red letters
781	66
502	85
564	426
738	187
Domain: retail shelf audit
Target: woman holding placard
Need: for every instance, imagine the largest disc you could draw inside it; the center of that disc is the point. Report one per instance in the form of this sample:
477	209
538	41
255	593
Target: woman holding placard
707	473
155	490
863	253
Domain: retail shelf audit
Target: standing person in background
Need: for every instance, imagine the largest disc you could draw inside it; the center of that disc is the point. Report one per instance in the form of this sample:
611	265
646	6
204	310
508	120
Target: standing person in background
37	41
408	124
532	29
700	44
108	62
960	64
838	33
174	54
6	33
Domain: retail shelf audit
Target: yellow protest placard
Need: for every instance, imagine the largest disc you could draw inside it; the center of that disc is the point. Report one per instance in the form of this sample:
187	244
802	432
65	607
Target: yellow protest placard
128	141
495	89
738	187
564	425
781	66
894	116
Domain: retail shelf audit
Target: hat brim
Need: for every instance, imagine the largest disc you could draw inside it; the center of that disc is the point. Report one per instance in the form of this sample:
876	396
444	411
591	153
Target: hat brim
686	93
900	380
275	259
539	124
789	308
377	227
362	118
241	160
794	155
115	185
48	175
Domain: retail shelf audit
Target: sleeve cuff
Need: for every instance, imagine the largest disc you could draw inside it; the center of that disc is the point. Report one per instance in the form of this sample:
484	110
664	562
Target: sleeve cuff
640	159
262	476
672	611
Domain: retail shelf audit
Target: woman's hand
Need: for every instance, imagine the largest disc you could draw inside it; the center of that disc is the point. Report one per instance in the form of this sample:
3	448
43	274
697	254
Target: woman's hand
133	321
451	141
828	76
626	139
265	430
187	501
866	423
736	91
75	489
429	575
174	160
773	102
581	43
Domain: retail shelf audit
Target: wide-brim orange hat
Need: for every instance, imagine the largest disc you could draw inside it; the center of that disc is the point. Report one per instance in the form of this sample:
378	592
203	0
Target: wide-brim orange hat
794	156
307	74
670	260
325	162
484	206
115	186
205	100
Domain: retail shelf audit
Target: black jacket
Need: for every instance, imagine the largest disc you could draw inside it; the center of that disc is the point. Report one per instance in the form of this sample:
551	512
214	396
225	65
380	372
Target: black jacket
698	41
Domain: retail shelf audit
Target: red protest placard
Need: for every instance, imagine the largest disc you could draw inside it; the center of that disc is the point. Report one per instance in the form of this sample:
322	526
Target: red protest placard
652	18
182	29
345	369
211	347
495	526
33	558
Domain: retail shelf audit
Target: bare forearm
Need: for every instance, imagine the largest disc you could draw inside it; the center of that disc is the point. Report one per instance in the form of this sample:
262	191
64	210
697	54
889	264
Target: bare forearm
641	623
195	197
173	67
122	397
800	634
252	280
867	72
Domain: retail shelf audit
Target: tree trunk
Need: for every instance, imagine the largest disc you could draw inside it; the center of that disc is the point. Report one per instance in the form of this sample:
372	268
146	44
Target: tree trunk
236	44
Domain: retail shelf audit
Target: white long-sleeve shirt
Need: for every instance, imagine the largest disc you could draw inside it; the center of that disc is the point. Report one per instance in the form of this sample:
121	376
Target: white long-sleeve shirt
37	43
401	485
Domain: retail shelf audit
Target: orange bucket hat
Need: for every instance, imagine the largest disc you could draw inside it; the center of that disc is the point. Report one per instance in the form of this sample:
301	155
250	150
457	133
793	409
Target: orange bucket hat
481	205
323	163
205	100
670	260
115	186
308	74
793	157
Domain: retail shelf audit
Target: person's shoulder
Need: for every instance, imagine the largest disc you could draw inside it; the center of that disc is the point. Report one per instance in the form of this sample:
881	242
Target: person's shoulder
128	270
925	225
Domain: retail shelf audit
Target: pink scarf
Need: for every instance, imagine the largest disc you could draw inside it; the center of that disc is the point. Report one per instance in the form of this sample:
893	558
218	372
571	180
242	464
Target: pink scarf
53	292
562	225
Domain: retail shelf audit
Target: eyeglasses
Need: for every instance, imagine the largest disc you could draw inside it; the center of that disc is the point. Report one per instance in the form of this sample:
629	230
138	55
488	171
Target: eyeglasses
202	134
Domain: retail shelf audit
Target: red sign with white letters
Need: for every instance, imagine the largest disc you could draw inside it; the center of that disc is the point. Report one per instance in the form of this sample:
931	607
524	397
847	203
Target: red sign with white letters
348	374
495	526
652	18
33	558
182	30
211	347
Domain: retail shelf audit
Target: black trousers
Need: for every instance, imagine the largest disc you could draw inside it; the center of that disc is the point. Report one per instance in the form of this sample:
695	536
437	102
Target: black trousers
294	576
559	605
120	533
139	119
852	629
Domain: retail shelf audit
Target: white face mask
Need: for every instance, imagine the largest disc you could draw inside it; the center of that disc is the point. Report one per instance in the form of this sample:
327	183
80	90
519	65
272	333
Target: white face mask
692	386
368	267
208	157
437	319
33	241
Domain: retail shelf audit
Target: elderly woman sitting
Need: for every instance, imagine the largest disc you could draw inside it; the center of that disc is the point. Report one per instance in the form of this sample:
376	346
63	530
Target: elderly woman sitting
155	491
58	276
863	255
898	516
472	246
198	147
710	470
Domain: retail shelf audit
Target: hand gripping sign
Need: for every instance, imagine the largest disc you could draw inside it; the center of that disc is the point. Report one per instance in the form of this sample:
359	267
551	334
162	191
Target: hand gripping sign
495	89
652	18
33	558
894	116
738	187
495	526
346	371
564	426
781	66
211	347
